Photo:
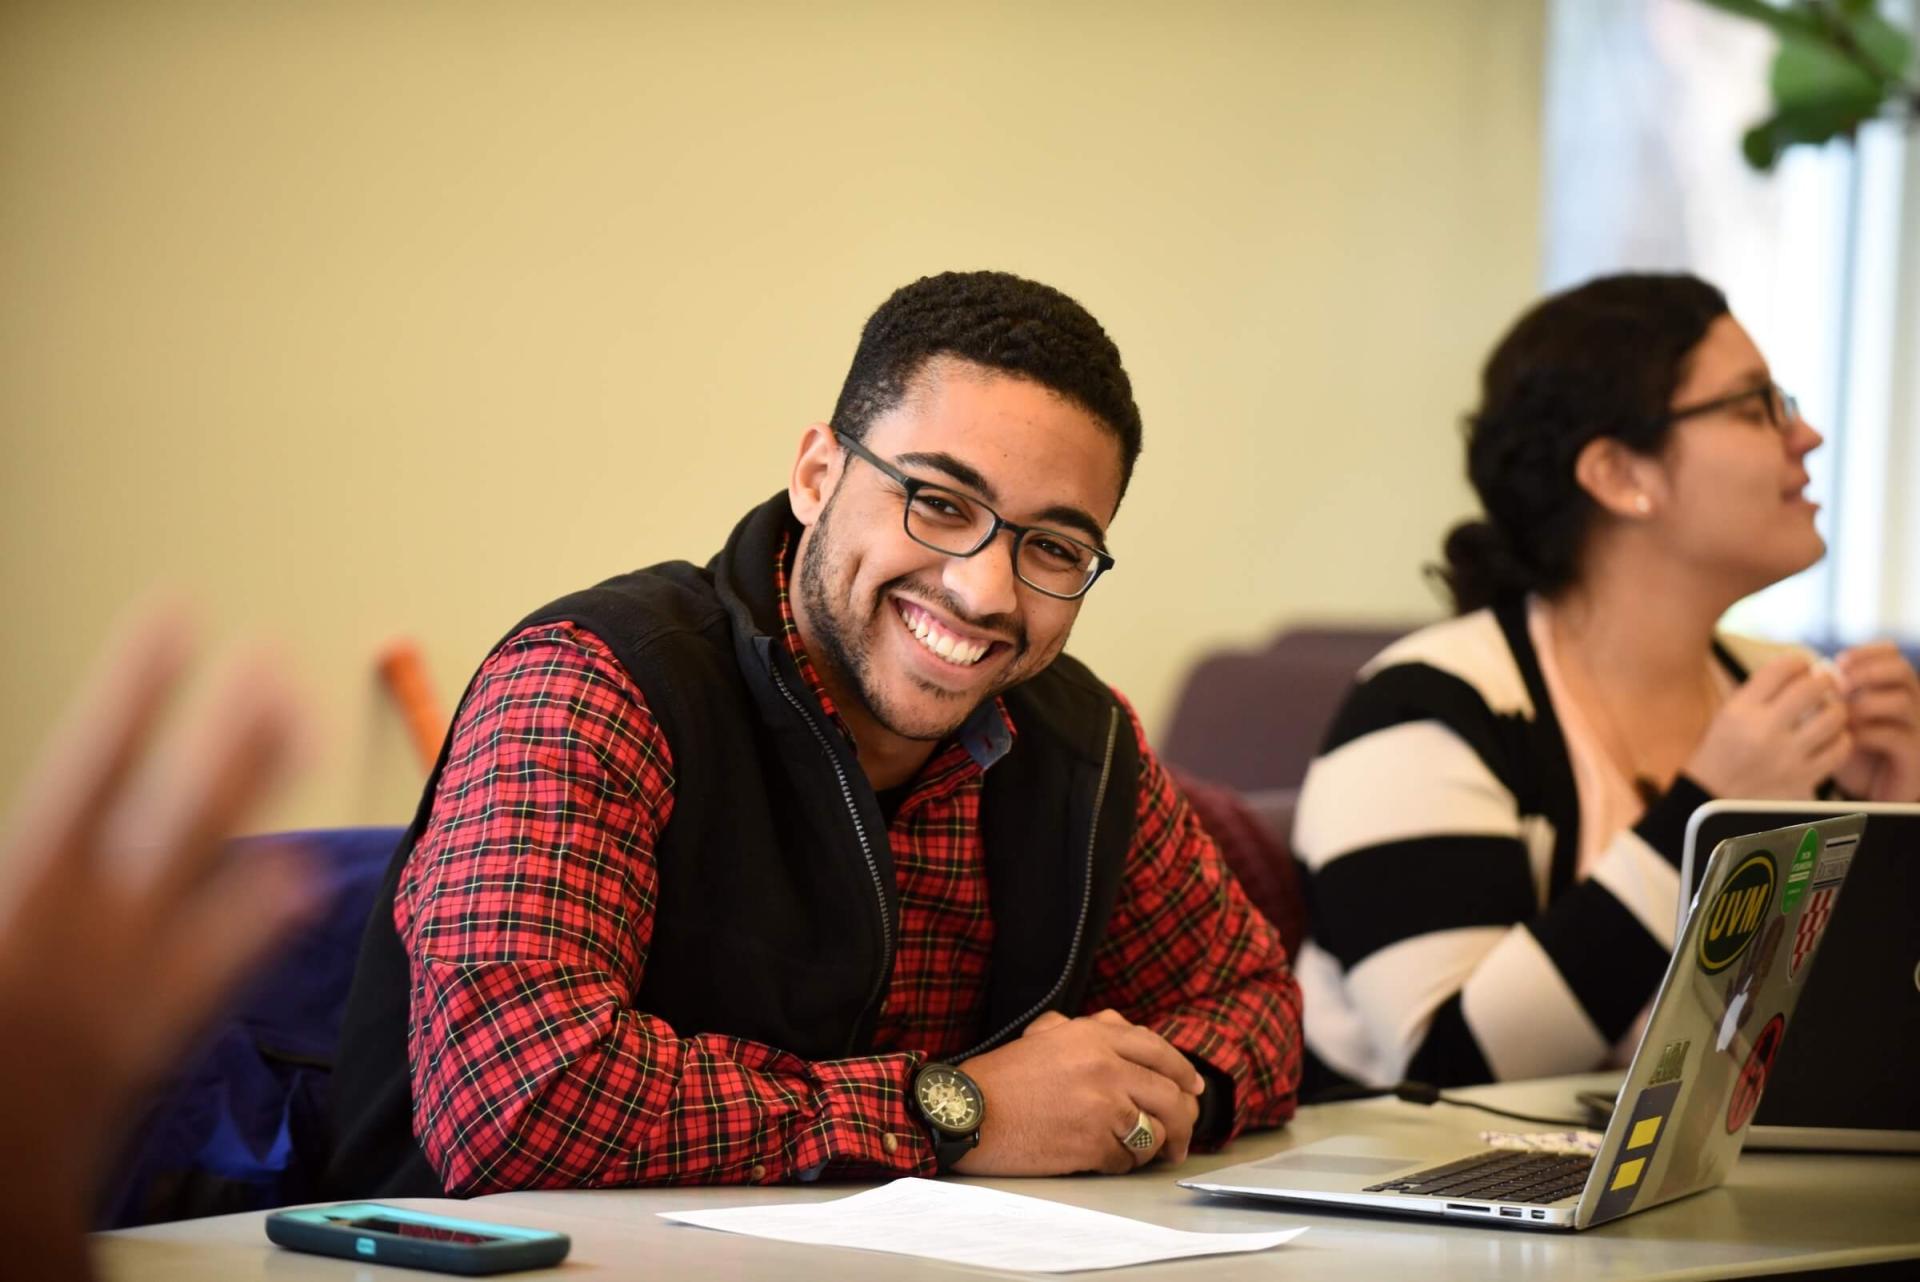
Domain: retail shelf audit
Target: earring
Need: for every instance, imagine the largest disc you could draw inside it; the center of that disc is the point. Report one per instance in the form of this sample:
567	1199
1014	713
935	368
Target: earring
1642	504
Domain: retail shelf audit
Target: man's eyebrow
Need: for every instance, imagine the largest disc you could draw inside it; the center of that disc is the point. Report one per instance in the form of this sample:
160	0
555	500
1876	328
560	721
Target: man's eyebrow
1078	518
953	467
1066	514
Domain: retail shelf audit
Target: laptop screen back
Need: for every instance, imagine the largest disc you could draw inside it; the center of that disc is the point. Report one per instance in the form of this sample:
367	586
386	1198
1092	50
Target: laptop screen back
1856	1036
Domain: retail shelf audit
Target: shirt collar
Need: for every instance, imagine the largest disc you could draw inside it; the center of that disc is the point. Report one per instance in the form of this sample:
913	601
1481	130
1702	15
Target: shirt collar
790	634
988	733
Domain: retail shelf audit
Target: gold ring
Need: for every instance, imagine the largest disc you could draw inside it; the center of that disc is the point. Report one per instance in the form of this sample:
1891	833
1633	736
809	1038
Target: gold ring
1141	1136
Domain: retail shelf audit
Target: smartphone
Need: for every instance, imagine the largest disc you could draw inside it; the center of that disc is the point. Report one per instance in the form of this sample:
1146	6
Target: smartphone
415	1239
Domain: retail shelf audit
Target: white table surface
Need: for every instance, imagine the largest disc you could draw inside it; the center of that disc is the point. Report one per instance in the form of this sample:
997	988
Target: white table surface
1778	1212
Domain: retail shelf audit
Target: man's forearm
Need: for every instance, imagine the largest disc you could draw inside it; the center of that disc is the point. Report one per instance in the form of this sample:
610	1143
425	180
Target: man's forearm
599	1097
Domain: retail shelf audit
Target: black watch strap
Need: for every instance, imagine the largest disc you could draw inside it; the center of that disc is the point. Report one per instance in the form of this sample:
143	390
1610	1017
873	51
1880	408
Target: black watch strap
949	1149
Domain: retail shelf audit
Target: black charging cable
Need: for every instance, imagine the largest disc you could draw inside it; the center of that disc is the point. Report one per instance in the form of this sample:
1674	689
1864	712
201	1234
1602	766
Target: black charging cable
1422	1093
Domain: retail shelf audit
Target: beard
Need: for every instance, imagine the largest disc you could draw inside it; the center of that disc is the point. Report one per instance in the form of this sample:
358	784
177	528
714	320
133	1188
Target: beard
844	641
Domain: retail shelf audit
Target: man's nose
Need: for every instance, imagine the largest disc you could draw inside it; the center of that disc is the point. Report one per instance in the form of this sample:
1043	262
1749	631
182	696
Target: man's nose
985	583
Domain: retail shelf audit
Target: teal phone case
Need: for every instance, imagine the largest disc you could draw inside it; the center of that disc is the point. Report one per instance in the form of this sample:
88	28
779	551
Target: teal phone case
323	1230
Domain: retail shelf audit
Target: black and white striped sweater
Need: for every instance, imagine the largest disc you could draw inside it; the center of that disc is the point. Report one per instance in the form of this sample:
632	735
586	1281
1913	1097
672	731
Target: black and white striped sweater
1439	828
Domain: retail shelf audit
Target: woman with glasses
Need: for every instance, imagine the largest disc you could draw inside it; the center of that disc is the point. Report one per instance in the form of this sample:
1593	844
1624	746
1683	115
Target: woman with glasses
1493	828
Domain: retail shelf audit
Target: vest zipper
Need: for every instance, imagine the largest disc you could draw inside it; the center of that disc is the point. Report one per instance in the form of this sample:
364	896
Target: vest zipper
859	831
1086	899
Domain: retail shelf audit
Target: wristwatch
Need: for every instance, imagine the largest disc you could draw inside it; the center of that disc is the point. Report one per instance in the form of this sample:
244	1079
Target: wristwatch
953	1108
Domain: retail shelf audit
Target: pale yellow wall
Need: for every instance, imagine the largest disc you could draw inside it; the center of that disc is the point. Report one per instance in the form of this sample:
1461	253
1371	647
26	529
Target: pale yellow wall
357	319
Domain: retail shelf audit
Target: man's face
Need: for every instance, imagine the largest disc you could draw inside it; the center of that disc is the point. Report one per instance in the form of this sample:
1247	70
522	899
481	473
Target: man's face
911	640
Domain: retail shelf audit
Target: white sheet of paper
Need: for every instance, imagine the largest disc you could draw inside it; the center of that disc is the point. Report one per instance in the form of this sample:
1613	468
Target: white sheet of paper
968	1224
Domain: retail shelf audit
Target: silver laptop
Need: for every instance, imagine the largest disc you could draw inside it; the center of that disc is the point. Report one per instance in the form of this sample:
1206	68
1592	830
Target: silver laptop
1717	1024
1846	1079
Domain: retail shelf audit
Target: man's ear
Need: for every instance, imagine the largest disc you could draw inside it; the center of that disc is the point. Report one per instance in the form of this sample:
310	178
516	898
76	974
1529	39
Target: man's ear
815	472
1624	483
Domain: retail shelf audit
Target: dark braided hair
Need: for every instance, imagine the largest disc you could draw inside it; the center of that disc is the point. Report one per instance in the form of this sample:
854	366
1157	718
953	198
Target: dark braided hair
1000	321
1600	360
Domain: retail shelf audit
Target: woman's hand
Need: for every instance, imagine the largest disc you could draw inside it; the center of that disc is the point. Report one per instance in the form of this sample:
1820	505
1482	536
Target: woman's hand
1883	717
1780	736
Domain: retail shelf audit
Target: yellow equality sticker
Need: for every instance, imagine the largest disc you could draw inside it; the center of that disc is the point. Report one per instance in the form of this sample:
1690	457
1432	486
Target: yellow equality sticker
1647	1130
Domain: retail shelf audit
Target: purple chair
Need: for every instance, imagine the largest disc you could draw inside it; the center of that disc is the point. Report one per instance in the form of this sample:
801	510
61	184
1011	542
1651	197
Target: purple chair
241	1125
1252	719
1244	729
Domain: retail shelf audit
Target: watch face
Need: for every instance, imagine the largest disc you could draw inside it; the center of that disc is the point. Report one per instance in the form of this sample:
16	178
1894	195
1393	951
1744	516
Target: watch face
949	1099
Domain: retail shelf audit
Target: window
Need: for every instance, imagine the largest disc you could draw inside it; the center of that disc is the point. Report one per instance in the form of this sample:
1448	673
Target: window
1646	102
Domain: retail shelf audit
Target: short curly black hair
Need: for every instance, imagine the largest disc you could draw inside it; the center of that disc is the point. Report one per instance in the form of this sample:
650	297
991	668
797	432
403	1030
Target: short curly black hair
1003	322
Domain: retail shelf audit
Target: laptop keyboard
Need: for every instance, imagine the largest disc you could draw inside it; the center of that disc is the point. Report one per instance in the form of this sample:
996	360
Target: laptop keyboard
1498	1175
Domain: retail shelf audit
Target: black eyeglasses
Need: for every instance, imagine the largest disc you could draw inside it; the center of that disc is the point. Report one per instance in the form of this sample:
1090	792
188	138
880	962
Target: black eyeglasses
951	522
1783	410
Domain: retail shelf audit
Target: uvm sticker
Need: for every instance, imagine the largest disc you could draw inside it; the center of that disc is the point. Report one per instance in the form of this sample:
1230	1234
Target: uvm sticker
1753	1074
1734	916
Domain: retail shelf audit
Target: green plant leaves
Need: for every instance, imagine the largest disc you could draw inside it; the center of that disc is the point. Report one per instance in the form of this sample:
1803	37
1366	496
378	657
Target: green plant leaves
1809	123
1839	64
1857	57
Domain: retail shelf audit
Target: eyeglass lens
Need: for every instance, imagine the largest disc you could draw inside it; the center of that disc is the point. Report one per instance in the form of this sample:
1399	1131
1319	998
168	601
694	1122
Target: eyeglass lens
1784	407
950	522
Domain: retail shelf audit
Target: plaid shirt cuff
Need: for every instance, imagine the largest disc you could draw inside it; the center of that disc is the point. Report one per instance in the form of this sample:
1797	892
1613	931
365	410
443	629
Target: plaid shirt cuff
1223	1061
866	1125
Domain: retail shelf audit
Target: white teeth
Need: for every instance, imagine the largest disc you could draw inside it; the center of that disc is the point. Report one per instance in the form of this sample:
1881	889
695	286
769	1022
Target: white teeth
949	647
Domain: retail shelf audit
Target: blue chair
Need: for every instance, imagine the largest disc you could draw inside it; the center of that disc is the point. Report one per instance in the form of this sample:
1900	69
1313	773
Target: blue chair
242	1126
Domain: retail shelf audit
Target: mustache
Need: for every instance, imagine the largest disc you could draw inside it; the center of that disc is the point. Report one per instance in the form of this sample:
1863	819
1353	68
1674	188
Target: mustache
1006	626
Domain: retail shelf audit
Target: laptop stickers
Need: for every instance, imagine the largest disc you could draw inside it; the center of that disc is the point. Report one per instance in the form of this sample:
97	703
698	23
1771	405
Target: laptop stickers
1696	1099
1645	1128
1737	913
1747	978
1813	923
1801	874
1753	1074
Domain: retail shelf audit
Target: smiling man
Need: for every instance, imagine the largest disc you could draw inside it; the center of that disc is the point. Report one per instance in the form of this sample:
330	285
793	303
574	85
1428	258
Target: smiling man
823	859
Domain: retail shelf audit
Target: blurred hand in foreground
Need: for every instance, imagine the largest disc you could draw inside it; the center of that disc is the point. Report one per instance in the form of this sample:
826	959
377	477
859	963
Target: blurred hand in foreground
123	925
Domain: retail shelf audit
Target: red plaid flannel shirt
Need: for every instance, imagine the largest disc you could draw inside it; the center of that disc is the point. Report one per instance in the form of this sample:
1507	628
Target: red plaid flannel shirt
527	906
